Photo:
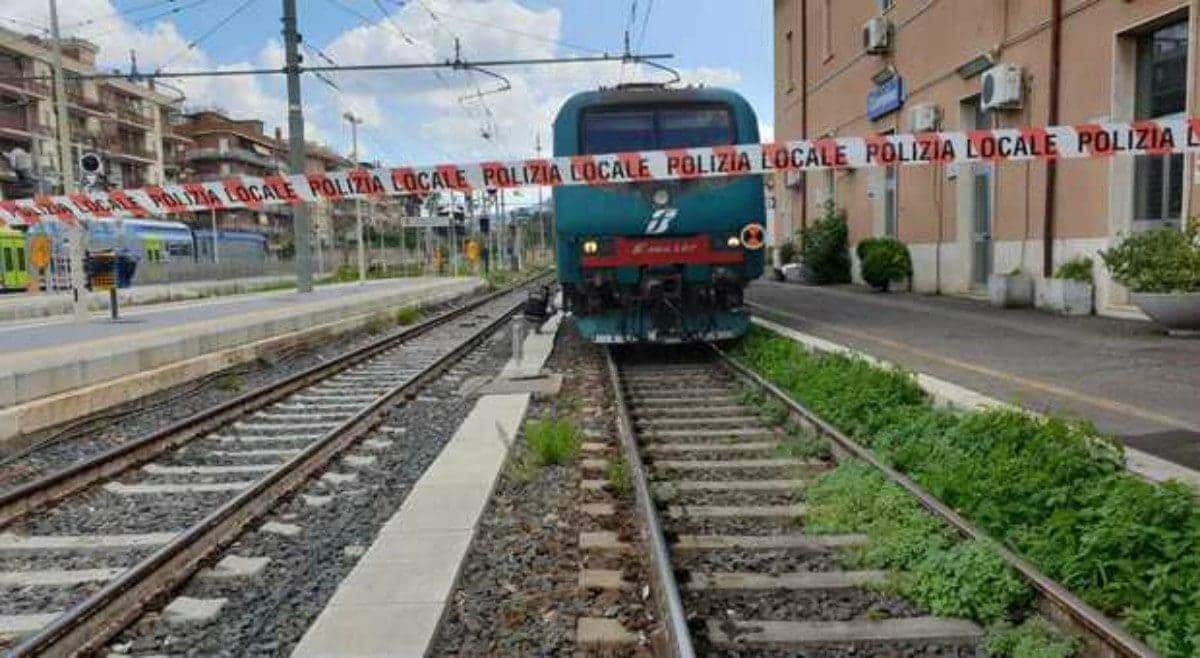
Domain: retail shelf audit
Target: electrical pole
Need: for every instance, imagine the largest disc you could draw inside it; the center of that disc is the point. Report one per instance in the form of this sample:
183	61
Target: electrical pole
358	220
540	219
66	168
302	226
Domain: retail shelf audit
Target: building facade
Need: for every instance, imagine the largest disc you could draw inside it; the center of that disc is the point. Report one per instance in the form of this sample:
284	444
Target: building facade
221	146
1095	61
128	125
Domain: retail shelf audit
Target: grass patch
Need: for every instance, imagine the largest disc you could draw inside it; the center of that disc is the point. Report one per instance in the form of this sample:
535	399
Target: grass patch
942	575
1034	638
230	384
1046	487
408	315
619	478
802	444
553	441
377	324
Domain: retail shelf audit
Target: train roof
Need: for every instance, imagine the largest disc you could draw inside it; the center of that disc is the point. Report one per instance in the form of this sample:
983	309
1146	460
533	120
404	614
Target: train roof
640	94
146	223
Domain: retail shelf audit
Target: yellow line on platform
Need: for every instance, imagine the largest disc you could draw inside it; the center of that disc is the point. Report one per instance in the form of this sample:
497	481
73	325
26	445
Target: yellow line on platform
1106	404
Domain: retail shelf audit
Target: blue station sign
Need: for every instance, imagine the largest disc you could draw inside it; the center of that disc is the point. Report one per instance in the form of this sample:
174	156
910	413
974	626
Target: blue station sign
885	98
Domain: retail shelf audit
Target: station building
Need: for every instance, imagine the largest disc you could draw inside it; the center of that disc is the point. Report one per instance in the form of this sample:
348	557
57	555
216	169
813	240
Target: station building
859	67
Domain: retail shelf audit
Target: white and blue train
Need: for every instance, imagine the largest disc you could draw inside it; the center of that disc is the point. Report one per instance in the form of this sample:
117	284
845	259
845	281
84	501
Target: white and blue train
163	245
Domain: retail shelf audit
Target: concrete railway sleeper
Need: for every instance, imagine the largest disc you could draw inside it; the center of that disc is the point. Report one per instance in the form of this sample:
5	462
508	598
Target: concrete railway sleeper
719	501
208	477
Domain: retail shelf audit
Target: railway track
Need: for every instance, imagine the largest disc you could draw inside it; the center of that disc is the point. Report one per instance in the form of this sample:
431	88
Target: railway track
720	509
113	536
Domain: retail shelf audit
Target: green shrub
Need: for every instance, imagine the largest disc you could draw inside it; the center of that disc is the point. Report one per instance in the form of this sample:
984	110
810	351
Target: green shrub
1076	269
1033	638
884	260
802	444
939	573
1160	260
970	580
553	441
619	478
825	247
1046	487
408	315
788	251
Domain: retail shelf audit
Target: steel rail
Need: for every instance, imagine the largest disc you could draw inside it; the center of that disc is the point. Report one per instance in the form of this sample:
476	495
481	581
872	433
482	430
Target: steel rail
1118	641
665	585
87	626
33	495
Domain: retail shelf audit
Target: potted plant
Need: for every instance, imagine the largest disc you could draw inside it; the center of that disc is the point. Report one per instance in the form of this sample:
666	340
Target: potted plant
1070	290
1010	290
885	263
1161	268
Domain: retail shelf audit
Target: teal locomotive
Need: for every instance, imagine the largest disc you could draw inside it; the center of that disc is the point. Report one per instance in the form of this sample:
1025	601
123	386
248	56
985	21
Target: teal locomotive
662	261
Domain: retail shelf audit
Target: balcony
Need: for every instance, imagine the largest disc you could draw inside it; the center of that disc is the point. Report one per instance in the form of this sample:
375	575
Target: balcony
130	150
241	155
9	80
14	122
134	116
80	101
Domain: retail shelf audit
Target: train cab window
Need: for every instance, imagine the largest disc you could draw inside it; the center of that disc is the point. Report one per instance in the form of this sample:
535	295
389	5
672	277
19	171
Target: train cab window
20	259
8	259
615	130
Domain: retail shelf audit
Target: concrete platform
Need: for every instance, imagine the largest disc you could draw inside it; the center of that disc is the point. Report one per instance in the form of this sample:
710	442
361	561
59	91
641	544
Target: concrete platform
1125	376
394	599
57	371
21	306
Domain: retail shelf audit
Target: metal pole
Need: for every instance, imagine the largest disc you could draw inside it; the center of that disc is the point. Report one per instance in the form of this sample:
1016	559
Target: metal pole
358	220
76	232
301	225
216	249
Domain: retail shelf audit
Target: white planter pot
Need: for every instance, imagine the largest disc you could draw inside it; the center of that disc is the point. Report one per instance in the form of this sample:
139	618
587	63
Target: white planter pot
1067	297
1010	290
1178	312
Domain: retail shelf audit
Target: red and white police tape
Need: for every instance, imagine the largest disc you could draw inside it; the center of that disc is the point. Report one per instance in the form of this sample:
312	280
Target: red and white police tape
1093	140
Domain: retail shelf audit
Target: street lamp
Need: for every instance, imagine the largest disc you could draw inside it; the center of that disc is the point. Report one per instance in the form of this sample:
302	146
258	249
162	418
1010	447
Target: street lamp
358	221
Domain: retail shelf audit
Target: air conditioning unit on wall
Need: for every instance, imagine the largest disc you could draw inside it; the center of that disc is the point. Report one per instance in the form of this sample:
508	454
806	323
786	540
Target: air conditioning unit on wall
926	117
1002	88
877	36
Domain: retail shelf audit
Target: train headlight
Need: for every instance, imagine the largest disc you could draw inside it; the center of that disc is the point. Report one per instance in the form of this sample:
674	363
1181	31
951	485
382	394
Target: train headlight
591	247
662	198
733	242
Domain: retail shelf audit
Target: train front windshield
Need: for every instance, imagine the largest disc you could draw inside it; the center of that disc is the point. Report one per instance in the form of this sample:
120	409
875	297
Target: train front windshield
620	129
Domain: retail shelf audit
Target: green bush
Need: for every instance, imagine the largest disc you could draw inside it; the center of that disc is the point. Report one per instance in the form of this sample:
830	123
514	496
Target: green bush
1076	269
825	248
884	260
1034	638
967	580
1045	487
1161	260
553	441
408	315
939	573
787	252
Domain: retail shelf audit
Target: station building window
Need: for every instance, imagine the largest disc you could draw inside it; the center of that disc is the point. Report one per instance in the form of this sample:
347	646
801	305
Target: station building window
1161	93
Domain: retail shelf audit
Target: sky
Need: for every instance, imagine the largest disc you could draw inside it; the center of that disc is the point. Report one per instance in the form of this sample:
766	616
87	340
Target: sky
419	117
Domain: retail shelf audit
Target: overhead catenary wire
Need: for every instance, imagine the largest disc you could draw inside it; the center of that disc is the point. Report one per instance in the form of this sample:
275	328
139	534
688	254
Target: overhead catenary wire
210	31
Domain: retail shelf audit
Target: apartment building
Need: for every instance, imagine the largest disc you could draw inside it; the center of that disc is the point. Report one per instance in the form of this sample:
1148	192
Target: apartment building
860	67
128	125
221	146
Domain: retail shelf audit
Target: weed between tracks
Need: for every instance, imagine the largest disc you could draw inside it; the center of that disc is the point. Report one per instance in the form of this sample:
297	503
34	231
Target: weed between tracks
553	441
1046	487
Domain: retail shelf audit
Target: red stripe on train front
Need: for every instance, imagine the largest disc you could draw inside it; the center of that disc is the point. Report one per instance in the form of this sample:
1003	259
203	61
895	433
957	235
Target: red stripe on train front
695	250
